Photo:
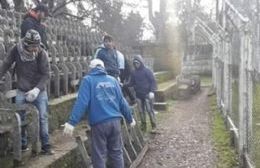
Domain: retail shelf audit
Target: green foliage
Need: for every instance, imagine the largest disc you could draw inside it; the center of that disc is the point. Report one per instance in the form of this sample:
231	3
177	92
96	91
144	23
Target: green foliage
255	140
109	18
226	155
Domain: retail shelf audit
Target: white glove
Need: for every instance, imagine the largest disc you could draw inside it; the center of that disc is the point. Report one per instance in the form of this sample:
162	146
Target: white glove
133	123
32	94
151	95
68	129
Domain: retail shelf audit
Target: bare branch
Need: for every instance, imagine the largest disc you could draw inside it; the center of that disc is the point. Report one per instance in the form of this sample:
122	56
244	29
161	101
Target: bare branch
63	5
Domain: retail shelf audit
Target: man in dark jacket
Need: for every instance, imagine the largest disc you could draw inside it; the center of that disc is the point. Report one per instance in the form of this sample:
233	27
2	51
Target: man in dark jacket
100	97
108	55
33	20
143	81
33	72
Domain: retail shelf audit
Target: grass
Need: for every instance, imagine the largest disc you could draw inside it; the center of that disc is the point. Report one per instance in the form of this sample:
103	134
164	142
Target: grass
226	155
205	80
255	139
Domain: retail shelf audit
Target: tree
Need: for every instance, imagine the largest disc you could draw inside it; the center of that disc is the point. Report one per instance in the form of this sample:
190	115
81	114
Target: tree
158	19
132	29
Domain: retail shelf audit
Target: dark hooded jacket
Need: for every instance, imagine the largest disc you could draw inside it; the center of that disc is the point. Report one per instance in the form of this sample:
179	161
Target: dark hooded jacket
142	79
31	22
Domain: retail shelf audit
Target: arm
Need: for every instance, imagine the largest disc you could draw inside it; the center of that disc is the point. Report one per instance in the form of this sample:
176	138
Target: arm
151	78
44	36
96	53
82	103
132	81
8	61
123	105
44	68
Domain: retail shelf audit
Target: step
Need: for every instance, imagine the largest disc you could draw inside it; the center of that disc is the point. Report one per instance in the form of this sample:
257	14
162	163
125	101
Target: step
65	150
166	90
163	76
160	106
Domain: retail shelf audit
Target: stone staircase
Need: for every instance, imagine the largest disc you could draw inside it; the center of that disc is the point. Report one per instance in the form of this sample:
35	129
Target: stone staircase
167	89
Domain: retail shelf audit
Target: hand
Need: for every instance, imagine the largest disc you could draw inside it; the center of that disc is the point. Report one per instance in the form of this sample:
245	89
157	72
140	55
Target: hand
133	123
151	95
32	94
68	129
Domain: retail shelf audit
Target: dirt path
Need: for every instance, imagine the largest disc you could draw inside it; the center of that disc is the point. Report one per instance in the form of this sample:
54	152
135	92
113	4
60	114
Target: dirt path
185	140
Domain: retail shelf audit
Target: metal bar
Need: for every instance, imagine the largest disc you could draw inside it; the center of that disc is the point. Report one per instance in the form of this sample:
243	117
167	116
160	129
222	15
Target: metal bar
241	17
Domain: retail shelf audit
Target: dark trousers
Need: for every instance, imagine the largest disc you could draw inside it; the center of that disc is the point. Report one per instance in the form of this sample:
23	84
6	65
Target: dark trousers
127	92
146	105
106	143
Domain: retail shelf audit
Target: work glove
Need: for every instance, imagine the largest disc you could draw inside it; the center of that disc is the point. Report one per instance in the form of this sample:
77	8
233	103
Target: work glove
32	94
68	129
151	95
133	123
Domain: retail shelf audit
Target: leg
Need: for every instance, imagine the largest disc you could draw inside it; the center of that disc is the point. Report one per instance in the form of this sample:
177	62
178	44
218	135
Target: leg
141	105
41	104
115	145
149	108
128	93
20	101
98	146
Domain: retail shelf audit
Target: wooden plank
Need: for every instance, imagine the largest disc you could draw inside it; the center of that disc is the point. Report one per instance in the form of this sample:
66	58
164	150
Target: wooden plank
83	152
140	157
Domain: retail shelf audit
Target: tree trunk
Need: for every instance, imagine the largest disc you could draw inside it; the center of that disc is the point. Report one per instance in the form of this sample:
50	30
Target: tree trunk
150	11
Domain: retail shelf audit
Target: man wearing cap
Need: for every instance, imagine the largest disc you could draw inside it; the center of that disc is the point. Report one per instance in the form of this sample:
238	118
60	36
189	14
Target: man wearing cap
100	97
33	72
33	20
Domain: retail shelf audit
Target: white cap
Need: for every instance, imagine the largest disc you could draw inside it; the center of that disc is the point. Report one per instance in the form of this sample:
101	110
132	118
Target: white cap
96	62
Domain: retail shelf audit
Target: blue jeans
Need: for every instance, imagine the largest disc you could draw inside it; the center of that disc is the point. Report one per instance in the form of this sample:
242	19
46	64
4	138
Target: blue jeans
41	103
106	141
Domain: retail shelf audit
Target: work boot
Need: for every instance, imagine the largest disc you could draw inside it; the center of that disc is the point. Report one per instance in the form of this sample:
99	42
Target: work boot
153	128
46	150
132	102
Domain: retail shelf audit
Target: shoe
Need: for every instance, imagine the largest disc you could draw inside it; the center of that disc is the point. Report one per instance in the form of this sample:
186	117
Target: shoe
132	102
46	150
25	148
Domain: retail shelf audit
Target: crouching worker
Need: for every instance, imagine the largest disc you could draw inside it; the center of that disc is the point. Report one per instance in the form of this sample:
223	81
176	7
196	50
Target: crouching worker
33	72
144	84
100	97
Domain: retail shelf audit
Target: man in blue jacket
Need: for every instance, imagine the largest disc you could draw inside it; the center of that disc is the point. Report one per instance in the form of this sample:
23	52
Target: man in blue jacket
143	81
109	56
100	97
